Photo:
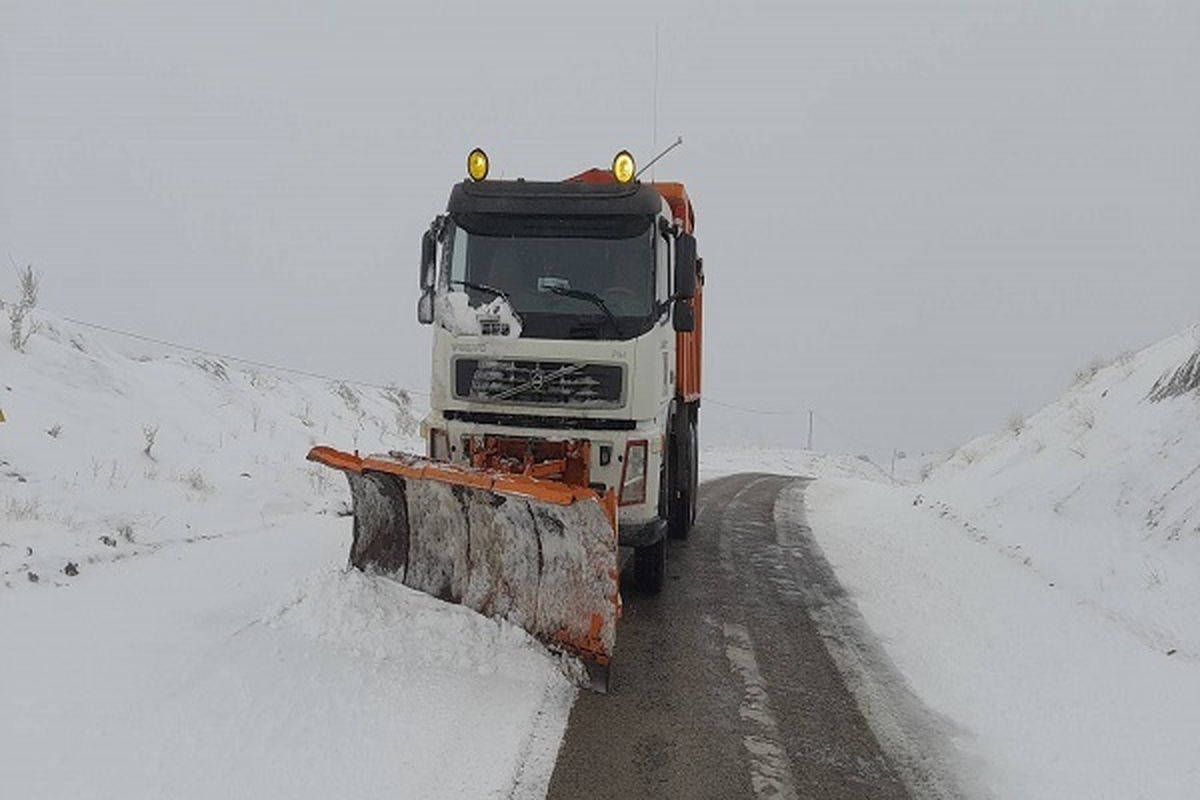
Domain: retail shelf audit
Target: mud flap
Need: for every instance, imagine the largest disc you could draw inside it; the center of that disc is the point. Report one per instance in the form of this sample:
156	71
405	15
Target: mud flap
540	554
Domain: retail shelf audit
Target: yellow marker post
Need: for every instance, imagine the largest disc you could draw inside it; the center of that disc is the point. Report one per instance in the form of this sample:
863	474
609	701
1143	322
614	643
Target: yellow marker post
1	415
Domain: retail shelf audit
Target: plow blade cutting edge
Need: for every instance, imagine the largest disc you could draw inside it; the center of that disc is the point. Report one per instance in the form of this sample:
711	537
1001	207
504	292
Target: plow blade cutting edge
539	553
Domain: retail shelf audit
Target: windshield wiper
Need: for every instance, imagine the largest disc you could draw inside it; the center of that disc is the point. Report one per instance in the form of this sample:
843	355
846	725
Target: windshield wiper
594	299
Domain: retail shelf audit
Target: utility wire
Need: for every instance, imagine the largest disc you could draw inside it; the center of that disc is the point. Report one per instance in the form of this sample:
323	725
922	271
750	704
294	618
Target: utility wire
239	359
706	399
822	417
322	376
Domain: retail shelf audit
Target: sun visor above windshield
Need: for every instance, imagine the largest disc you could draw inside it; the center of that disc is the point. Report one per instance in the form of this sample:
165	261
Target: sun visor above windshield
554	199
526	225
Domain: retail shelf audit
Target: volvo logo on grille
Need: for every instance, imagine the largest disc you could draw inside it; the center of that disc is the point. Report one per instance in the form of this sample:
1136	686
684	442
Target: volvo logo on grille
537	381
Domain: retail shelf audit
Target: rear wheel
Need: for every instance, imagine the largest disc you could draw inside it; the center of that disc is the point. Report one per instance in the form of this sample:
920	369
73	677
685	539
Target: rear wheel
650	566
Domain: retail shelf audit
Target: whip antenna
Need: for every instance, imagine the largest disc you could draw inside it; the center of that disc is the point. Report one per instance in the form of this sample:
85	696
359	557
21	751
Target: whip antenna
654	160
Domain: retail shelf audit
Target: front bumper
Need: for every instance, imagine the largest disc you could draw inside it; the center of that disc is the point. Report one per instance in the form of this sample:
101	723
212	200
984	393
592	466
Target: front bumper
640	520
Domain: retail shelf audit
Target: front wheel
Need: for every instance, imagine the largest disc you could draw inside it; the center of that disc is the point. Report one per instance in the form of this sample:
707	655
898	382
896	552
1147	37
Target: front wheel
684	453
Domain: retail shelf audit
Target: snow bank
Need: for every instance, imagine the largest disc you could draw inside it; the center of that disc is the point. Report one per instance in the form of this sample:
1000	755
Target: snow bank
1039	589
1051	697
105	456
1100	492
716	462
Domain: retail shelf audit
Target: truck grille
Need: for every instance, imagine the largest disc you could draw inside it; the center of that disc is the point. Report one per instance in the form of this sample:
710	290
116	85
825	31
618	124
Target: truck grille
538	382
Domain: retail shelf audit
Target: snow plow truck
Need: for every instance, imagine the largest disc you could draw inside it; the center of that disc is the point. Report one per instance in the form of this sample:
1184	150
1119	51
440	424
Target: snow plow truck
565	400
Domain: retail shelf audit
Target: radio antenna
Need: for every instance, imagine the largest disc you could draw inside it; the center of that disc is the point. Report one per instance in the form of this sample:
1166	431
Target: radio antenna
654	116
654	160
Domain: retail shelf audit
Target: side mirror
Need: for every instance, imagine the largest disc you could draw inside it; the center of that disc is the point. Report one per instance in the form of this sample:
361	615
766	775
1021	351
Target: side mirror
428	273
425	307
428	259
684	317
685	265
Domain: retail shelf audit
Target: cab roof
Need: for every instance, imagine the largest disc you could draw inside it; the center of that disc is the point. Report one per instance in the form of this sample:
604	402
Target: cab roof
554	198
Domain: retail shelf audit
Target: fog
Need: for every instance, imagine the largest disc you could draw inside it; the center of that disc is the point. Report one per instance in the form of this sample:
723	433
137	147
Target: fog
917	219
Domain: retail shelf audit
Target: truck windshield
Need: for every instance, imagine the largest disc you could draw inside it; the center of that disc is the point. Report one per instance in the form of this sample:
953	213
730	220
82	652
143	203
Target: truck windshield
599	285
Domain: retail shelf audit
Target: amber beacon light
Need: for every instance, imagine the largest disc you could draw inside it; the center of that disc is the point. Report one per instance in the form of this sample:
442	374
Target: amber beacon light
477	164
623	168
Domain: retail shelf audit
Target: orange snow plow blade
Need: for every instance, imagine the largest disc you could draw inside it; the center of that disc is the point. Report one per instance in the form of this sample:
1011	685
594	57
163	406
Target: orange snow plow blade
539	553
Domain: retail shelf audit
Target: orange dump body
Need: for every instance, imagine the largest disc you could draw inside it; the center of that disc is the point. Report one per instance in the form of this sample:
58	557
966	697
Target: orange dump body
688	346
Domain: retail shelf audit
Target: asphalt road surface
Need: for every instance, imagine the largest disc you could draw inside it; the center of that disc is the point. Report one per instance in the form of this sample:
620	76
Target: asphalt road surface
724	686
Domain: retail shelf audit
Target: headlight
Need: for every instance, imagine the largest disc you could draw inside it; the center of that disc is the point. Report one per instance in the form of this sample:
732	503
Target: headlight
633	476
439	445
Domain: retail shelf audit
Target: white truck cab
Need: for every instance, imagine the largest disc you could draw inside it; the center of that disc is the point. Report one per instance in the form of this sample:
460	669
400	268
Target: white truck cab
558	312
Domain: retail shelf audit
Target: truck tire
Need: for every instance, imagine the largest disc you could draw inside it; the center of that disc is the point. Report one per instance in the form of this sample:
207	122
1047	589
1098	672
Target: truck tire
650	567
683	453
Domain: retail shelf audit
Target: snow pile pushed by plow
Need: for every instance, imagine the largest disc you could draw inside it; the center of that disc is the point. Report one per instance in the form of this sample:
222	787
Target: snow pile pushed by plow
176	614
407	630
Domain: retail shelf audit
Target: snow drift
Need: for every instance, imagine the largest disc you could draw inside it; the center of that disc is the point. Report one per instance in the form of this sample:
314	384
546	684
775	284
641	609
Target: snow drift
1039	590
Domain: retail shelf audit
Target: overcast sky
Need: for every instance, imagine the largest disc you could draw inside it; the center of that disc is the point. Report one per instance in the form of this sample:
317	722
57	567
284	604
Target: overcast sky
918	219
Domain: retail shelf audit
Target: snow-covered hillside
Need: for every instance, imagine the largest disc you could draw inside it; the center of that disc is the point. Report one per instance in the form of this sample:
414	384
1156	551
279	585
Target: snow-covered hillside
1100	491
176	619
1039	590
105	456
